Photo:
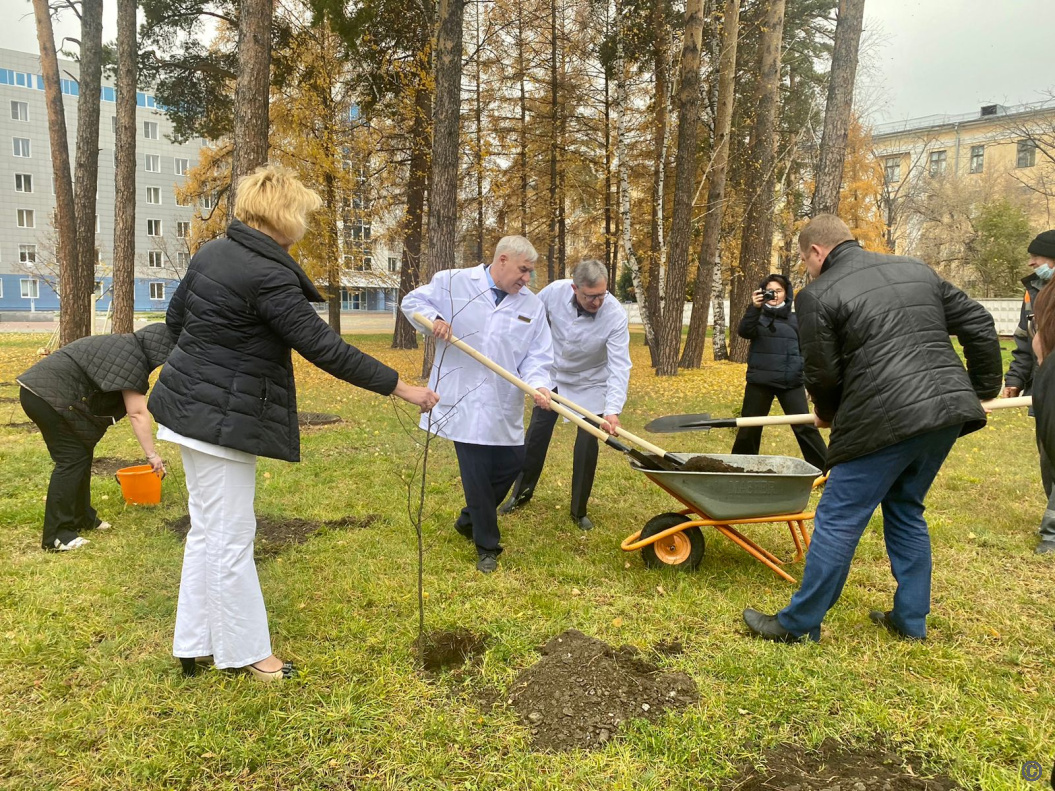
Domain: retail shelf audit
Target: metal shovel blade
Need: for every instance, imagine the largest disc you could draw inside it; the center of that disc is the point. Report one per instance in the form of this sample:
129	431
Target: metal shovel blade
672	424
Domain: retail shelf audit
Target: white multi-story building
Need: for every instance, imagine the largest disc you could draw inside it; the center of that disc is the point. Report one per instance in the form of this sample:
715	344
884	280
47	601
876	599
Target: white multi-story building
27	195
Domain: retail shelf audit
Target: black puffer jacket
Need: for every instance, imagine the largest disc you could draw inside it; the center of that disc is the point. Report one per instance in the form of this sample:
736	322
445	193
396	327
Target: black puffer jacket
241	308
774	359
1023	363
83	380
874	331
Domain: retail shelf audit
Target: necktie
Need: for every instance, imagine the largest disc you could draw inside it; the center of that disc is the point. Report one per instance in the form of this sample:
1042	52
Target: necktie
499	295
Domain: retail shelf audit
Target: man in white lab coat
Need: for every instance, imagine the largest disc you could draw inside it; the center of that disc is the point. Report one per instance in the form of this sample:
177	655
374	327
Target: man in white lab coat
491	309
591	345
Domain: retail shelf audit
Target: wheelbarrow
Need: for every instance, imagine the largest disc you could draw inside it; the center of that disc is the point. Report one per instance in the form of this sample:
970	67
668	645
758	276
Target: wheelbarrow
723	499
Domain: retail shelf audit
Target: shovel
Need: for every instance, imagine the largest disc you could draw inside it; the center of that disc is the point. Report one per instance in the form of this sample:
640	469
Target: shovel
672	424
661	460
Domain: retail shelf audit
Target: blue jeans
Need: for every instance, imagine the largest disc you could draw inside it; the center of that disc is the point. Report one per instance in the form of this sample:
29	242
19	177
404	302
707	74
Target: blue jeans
897	478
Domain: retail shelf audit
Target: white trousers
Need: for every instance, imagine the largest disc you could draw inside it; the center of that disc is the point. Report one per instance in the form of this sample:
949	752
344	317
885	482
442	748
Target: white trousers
220	612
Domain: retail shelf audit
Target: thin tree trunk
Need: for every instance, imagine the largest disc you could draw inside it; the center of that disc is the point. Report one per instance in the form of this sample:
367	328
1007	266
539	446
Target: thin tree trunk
71	325
609	261
479	148
123	296
86	175
443	185
654	282
692	356
684	189
523	120
756	241
251	92
551	262
406	336
333	254
839	105
718	346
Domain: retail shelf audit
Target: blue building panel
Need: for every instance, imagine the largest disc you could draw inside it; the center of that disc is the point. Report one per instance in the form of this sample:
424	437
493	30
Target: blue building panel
151	295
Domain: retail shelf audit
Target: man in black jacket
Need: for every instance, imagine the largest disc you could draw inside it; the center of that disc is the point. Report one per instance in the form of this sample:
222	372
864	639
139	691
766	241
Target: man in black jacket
882	372
1019	379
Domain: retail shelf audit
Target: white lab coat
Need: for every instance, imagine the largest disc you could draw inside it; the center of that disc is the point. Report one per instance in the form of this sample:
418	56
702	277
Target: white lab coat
477	405
591	355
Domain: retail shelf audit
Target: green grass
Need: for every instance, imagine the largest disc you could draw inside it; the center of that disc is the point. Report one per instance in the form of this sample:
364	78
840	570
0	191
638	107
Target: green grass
90	697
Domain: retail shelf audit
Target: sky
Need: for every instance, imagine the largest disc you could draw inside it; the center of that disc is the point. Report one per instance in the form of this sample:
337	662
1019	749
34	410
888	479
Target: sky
919	57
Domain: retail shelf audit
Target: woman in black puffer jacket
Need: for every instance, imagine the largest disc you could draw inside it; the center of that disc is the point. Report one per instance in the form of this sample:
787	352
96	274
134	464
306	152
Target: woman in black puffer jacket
227	395
774	369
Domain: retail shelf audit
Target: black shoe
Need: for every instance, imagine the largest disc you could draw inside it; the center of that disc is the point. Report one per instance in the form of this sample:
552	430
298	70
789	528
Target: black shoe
487	563
880	618
465	531
516	499
768	628
582	522
1045	547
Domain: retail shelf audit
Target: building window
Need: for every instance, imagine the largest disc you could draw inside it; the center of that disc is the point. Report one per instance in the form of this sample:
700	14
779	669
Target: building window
892	169
182	260
1027	154
182	230
30	288
153	163
153	227
154	259
21	146
181	166
207	202
157	290
26	218
19	111
977	158
154	195
393	264
23	182
113	124
150	130
27	254
98	288
937	163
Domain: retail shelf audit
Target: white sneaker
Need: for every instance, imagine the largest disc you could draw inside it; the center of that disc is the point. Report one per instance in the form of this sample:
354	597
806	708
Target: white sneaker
103	526
75	543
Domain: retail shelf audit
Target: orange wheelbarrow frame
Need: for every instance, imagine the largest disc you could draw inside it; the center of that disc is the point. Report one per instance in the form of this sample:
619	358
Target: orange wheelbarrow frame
675	546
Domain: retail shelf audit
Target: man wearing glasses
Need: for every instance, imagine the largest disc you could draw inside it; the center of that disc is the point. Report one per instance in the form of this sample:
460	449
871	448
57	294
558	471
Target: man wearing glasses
591	350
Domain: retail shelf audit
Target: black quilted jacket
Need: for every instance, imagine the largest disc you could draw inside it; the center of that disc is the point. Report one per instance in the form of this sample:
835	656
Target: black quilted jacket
242	306
773	359
874	332
83	380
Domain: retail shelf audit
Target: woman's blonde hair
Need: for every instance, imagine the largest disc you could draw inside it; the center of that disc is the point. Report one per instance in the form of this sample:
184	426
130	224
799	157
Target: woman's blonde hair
272	199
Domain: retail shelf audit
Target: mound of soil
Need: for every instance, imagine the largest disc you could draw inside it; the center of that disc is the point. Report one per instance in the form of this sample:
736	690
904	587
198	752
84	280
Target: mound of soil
109	465
707	464
274	533
582	690
445	650
311	419
833	767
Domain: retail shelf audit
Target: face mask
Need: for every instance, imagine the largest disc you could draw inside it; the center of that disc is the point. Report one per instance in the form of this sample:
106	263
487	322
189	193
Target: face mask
775	307
1044	272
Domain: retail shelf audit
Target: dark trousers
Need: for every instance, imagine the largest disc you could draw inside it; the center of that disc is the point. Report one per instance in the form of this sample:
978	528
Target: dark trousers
896	478
487	473
757	401
1047	522
69	508
584	460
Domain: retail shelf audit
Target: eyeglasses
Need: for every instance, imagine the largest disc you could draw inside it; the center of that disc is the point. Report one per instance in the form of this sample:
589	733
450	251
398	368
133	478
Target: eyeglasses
593	297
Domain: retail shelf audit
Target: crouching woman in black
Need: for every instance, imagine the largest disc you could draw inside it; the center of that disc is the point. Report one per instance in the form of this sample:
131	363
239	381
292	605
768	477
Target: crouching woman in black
774	369
74	395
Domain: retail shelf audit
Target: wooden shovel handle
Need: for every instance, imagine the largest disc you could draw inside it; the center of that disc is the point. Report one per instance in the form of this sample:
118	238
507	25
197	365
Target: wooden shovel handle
498	369
620	431
807	418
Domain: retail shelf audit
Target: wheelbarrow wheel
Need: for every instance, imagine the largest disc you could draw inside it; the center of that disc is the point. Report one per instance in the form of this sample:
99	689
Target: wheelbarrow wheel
682	551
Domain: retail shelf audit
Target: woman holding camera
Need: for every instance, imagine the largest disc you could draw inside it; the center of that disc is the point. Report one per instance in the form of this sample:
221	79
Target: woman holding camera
774	369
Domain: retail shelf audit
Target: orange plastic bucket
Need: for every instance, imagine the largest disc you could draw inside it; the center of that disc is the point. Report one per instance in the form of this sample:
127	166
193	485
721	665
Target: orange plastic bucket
140	485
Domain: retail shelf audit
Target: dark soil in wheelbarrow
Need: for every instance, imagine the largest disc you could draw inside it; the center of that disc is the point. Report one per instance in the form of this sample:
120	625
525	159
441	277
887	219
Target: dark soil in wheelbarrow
109	465
275	533
834	767
707	464
582	691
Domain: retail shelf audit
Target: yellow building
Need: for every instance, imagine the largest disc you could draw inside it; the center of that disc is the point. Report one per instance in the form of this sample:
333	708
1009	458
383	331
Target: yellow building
938	170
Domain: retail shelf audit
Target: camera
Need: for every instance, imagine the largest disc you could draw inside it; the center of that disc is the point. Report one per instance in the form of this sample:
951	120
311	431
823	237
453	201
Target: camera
769	294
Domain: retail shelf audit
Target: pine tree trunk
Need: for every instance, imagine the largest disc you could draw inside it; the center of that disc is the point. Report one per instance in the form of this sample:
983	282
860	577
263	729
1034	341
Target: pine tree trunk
479	158
756	241
523	143
443	185
86	175
123	296
840	103
692	356
251	92
654	281
551	263
71	325
406	336
609	261
684	189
